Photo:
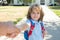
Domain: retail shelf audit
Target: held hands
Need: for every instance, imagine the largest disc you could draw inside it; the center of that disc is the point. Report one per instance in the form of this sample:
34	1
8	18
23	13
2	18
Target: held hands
12	32
8	29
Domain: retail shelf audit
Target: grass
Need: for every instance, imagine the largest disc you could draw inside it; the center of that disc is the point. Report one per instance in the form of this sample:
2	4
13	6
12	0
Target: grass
56	9
57	12
15	22
12	13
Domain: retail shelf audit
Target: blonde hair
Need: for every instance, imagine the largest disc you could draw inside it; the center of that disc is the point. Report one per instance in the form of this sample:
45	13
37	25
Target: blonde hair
30	10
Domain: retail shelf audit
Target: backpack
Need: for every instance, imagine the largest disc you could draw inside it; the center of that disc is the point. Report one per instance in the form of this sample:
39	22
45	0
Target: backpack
27	34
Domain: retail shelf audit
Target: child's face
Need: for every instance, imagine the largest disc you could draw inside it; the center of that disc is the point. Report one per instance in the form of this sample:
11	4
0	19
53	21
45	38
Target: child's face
35	14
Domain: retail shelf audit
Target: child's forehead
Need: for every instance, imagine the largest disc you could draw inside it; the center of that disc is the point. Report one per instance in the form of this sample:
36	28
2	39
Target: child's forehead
36	9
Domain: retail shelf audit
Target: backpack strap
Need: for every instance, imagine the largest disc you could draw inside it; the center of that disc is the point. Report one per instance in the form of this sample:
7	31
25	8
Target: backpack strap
42	28
26	33
31	28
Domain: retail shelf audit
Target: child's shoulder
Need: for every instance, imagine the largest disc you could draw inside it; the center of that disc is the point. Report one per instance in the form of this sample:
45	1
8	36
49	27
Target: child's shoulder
28	22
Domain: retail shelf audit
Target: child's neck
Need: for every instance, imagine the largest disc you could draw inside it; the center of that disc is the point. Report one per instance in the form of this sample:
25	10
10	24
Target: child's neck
34	20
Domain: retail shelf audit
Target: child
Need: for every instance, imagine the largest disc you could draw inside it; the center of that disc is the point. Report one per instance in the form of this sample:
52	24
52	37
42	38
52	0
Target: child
34	23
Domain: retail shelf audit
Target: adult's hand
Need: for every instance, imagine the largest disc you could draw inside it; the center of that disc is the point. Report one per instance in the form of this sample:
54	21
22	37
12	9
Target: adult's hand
8	29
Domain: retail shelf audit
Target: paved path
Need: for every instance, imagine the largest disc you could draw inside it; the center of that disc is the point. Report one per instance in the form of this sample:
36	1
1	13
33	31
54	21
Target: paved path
49	15
53	29
51	23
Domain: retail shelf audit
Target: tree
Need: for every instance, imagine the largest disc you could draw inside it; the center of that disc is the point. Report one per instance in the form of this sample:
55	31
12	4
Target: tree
8	1
57	1
28	1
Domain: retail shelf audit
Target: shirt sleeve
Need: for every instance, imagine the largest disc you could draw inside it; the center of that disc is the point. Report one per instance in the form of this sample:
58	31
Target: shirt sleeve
22	22
28	22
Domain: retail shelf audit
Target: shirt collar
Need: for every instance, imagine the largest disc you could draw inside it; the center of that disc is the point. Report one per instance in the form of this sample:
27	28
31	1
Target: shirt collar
34	21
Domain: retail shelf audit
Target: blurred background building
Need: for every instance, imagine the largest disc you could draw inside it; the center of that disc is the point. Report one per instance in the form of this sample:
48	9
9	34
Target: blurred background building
29	2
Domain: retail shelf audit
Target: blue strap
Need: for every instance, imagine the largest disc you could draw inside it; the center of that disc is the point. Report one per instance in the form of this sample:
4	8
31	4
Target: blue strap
32	22
42	24
26	32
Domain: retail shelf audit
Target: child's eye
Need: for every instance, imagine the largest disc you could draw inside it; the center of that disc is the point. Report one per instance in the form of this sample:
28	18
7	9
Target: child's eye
33	12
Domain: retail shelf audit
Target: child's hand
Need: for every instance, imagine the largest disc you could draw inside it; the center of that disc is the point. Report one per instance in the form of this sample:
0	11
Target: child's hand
45	33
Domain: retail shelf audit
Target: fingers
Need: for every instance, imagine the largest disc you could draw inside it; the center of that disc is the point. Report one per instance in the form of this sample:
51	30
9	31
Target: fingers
46	32
8	28
2	34
13	33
